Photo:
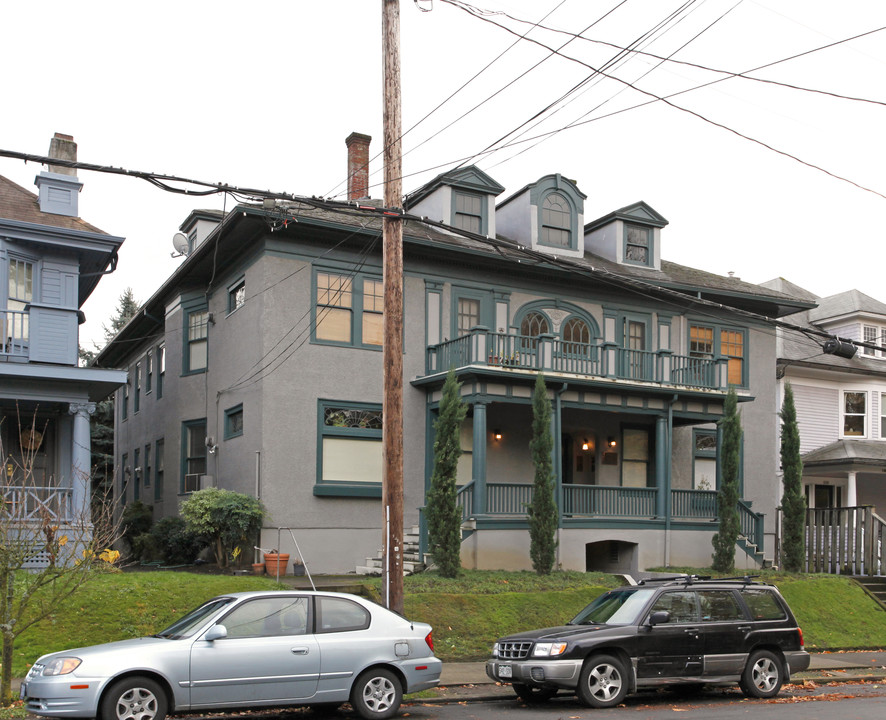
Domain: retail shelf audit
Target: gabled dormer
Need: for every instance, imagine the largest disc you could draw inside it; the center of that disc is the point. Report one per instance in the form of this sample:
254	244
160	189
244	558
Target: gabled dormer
629	236
546	216
463	198
198	225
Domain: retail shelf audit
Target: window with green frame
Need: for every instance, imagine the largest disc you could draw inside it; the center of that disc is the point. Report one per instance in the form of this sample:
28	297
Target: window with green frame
349	449
161	369
159	463
196	336
193	454
136	398
234	421
712	341
704	467
124	400
348	309
638	245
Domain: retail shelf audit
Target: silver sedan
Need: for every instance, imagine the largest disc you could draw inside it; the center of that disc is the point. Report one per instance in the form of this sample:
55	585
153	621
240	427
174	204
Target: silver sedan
245	650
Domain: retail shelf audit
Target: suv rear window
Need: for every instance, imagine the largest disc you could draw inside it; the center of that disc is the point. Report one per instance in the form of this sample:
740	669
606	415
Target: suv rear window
763	605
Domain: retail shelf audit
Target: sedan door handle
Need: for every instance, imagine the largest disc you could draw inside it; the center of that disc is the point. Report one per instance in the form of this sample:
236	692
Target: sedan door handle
299	651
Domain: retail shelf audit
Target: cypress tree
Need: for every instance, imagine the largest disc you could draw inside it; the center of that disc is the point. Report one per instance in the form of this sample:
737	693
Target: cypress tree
543	509
727	497
444	516
793	504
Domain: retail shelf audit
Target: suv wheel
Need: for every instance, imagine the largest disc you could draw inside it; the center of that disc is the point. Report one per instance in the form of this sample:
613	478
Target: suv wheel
762	676
603	682
533	695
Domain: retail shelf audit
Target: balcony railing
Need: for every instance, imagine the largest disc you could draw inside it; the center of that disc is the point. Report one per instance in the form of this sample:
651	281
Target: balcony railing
546	353
23	503
14	329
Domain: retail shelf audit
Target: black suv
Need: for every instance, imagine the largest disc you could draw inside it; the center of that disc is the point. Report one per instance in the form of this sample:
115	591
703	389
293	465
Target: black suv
687	630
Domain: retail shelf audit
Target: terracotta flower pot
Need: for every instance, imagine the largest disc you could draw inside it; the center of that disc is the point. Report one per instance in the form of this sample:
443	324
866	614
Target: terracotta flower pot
275	563
258	568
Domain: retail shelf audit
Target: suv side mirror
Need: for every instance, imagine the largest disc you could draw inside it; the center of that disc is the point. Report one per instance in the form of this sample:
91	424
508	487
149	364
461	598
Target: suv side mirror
216	632
659	617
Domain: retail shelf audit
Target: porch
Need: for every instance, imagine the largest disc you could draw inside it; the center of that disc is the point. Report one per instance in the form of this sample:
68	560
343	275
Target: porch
33	503
553	356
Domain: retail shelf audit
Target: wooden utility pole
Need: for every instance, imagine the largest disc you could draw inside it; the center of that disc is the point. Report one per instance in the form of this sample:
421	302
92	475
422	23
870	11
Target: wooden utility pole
392	408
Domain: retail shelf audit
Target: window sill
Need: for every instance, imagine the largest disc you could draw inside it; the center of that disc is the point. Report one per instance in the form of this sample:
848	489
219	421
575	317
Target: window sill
347	490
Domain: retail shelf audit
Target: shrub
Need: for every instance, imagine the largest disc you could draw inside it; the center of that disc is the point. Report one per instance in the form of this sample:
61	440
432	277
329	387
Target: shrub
177	543
226	518
137	519
145	548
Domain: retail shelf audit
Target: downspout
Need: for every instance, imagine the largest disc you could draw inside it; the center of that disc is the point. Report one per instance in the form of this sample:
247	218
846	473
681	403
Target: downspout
668	469
558	458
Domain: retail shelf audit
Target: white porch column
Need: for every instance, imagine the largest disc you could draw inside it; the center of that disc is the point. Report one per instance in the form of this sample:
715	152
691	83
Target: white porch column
81	459
851	498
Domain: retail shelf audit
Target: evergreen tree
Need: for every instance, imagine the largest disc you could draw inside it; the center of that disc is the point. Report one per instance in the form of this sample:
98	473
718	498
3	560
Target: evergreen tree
793	504
727	497
444	516
543	509
102	422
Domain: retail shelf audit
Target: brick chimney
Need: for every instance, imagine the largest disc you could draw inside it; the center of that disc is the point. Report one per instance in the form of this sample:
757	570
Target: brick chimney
358	165
59	187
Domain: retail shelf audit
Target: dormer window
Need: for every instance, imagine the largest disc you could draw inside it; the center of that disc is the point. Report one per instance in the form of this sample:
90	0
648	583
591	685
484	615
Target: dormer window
638	244
874	335
468	211
556	221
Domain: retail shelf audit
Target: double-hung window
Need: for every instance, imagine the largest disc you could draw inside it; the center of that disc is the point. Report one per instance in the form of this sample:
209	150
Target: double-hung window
161	369
556	221
193	454
147	473
149	371
159	462
237	295
349	449
136	474
124	405
467	211
196	340
638	245
874	335
855	405
21	293
348	309
137	386
234	421
707	342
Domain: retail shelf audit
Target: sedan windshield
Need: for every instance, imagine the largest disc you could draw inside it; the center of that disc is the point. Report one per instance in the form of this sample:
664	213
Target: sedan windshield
193	621
616	607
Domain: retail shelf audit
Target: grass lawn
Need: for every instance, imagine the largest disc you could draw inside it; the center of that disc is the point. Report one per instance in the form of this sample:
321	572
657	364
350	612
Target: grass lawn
468	614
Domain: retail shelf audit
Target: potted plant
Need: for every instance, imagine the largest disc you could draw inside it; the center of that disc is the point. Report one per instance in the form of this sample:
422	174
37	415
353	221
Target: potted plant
276	562
258	568
298	567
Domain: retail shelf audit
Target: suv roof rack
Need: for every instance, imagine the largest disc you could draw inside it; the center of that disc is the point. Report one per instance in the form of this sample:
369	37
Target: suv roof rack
690	579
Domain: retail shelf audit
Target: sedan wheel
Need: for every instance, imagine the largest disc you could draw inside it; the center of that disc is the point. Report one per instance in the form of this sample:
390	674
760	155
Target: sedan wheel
603	682
134	698
376	694
762	676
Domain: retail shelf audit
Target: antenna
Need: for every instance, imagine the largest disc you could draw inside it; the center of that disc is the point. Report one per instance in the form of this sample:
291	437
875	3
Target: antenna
181	244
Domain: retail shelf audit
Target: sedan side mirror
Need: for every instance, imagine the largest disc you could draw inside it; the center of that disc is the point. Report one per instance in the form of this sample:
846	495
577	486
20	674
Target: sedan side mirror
216	632
659	617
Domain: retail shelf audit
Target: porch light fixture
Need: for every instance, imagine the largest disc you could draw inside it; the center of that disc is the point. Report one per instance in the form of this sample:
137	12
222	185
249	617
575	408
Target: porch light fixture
585	446
611	441
496	434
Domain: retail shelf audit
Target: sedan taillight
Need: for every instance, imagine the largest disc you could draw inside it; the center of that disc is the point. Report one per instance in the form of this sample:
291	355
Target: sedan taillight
430	640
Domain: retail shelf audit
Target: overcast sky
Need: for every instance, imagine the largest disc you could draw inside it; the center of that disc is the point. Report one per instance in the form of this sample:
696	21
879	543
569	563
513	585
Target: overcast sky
263	94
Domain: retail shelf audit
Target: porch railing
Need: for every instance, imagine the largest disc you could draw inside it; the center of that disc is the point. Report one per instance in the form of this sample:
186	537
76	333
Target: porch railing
751	524
24	503
848	540
609	501
546	353
14	329
701	504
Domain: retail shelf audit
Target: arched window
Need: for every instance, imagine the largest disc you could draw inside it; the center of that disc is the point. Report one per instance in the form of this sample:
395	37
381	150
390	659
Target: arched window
534	324
556	221
576	332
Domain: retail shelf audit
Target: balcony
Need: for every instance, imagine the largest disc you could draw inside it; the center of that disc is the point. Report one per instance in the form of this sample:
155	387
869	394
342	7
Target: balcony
509	352
14	327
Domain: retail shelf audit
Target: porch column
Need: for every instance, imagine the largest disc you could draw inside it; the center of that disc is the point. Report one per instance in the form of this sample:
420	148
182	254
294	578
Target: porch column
81	460
661	460
851	497
478	459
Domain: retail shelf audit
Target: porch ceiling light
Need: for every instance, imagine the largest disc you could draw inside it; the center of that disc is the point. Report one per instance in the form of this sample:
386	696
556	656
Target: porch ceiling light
496	434
611	441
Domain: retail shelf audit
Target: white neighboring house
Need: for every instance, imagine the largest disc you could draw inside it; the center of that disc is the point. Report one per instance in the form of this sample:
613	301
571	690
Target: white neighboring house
841	402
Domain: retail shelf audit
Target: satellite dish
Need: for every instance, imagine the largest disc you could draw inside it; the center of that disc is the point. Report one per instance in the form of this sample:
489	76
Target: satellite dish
181	244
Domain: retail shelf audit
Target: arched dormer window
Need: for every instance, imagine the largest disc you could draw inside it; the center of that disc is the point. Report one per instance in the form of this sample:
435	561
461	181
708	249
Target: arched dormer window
556	221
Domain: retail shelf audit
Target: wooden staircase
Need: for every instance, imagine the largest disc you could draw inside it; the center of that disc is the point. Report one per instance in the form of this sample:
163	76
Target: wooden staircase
875	586
411	564
757	555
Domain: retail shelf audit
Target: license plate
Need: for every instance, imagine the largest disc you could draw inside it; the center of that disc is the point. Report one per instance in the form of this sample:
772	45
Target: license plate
504	671
23	692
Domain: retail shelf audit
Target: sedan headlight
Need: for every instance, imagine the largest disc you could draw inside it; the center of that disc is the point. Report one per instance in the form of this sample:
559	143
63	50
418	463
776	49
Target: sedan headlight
548	649
61	666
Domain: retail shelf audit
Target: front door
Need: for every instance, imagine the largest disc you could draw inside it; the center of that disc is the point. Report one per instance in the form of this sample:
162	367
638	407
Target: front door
675	648
268	656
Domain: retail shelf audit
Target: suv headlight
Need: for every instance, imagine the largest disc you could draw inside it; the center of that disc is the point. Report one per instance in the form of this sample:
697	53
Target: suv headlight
61	666
548	649
495	650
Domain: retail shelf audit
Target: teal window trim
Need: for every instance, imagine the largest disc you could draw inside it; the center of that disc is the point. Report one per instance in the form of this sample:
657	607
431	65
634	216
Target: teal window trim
159	468
570	225
233	427
191	336
632	248
705	454
339	488
137	389
433	288
191	462
650	454
149	371
487	309
358	307
236	294
718	330
556	184
461	217
124	401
